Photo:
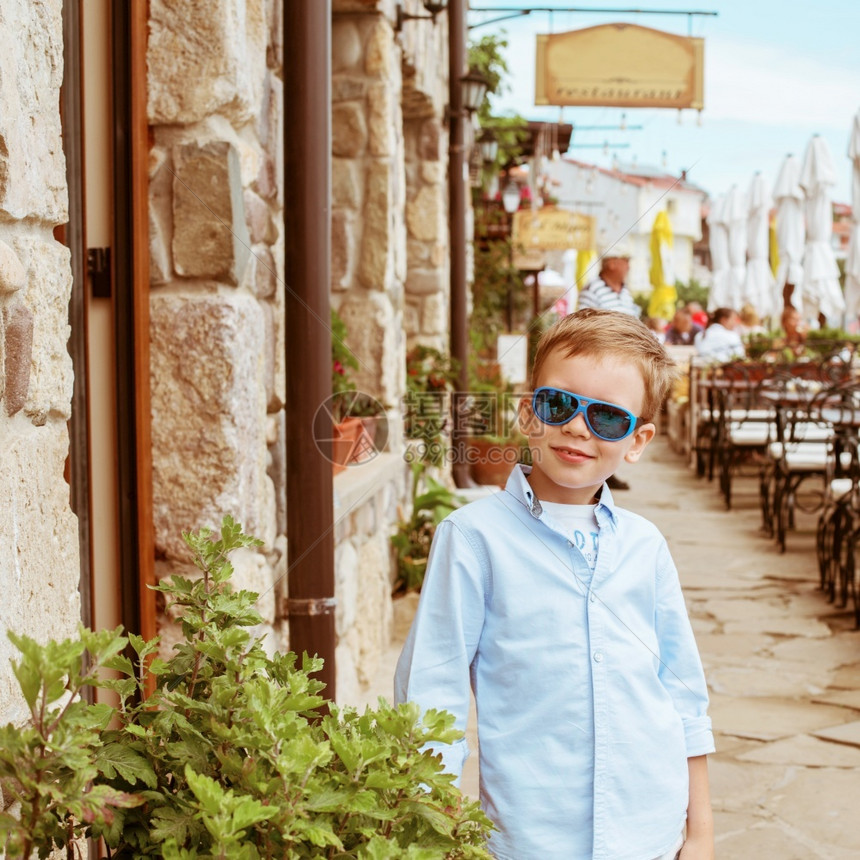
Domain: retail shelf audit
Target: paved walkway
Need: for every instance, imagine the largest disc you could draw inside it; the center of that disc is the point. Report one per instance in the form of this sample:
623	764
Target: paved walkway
783	667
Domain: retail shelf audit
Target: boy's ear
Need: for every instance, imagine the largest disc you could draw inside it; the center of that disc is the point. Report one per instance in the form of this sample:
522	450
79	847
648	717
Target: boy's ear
525	413
641	437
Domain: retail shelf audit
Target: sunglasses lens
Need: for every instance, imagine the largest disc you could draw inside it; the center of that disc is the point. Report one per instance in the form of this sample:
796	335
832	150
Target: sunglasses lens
553	406
607	421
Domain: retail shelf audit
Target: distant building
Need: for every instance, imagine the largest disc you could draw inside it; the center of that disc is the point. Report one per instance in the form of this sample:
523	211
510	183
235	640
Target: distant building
625	201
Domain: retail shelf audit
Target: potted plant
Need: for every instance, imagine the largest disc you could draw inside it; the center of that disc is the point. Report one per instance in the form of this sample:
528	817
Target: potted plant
234	755
496	443
430	378
414	534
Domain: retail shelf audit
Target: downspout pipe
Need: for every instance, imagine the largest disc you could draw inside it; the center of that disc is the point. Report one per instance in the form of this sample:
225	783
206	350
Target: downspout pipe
457	230
307	215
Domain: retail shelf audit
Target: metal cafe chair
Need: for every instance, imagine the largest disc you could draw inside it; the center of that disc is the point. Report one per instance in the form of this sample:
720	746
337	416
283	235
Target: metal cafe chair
804	449
744	419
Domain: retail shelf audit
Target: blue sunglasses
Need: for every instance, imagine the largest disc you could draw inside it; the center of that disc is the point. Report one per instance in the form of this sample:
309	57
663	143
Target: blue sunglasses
607	421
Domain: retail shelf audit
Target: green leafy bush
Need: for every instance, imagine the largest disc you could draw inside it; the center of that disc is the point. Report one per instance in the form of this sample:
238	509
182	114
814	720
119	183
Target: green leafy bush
235	754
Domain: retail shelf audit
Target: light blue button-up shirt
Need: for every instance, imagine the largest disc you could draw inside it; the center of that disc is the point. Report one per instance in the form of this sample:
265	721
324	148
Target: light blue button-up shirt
589	688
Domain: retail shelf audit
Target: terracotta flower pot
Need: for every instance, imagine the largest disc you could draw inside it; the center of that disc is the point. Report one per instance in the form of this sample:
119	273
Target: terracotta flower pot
491	462
348	435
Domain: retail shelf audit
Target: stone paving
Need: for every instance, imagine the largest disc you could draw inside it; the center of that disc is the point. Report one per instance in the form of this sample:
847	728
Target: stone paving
783	667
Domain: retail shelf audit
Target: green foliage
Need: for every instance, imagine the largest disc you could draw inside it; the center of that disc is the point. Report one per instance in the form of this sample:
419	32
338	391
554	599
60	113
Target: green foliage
692	292
430	378
342	358
496	283
487	56
414	535
235	755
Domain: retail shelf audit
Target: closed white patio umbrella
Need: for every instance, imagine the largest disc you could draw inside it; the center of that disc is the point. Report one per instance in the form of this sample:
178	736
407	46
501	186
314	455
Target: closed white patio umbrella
852	262
821	293
734	216
759	284
790	229
718	242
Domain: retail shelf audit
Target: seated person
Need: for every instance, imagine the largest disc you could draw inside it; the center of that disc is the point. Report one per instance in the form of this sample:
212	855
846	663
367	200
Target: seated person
720	340
795	329
683	330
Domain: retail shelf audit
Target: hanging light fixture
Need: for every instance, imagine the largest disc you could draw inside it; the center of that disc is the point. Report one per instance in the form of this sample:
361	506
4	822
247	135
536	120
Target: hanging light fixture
434	8
489	144
475	86
511	197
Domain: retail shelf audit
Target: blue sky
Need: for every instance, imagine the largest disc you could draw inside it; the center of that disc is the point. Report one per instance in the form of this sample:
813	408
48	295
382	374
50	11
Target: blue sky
776	72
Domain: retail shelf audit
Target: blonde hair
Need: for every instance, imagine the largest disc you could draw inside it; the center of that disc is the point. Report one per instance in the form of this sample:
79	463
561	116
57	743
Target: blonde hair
597	333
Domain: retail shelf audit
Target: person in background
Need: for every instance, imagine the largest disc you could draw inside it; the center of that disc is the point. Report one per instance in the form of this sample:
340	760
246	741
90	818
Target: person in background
750	321
609	292
683	330
720	341
795	329
657	327
700	317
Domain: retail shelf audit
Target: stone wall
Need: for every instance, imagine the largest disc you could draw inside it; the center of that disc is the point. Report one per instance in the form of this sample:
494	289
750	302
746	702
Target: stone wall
215	95
39	563
389	280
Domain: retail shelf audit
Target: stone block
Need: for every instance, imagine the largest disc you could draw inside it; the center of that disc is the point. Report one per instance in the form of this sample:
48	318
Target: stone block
268	350
346	50
343	241
380	122
349	130
210	237
279	394
258	218
433	172
376	239
347	88
277	469
374	337
423	282
430	140
39	566
345	183
32	164
49	286
208	415
203	58
13	275
412	318
17	323
434	314
275	48
374	615
346	586
425	214
252	573
379	49
265	273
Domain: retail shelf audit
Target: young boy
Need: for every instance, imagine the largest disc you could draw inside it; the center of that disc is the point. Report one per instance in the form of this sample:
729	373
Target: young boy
565	614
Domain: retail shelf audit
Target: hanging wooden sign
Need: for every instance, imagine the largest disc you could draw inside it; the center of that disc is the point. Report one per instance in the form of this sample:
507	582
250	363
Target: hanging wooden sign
620	65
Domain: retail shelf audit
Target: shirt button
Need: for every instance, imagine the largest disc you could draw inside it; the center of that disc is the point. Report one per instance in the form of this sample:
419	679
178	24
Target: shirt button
591	597
598	656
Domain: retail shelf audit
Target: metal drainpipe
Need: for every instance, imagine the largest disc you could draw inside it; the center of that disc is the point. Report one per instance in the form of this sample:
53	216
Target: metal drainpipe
307	214
457	219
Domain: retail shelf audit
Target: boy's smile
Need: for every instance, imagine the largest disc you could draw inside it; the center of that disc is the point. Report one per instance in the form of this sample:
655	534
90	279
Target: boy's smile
570	463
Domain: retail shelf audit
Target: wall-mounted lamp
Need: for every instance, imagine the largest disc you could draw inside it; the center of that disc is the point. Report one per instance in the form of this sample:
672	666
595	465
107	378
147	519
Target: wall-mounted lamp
474	87
434	8
489	145
511	197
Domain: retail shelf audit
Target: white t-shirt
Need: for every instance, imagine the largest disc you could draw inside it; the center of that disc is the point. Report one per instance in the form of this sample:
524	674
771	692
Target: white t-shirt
579	523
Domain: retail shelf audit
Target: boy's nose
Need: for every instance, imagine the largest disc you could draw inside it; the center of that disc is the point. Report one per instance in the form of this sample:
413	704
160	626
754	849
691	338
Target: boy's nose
577	426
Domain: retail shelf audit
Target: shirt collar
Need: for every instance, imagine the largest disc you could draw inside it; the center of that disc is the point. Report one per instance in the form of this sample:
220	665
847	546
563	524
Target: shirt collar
519	487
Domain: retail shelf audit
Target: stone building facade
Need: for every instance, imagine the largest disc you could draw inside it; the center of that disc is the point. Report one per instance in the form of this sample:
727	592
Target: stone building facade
217	193
39	569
